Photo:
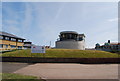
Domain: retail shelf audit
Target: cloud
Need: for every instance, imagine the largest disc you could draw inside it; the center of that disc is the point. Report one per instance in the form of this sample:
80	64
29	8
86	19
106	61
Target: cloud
11	25
113	20
11	22
14	29
27	20
42	22
59	11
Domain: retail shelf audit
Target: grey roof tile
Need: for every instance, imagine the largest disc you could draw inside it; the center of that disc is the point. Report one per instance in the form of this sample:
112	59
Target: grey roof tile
9	35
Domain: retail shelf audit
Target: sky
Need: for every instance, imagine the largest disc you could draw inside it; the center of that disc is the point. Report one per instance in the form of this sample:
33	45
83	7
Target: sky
41	22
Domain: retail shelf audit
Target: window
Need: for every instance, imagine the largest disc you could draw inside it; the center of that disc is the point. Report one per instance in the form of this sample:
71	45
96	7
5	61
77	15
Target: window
6	38
6	46
13	39
19	40
80	38
12	46
1	37
19	47
1	45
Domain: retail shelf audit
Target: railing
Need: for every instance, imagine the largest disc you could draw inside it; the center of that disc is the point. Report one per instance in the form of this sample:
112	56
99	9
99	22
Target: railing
6	49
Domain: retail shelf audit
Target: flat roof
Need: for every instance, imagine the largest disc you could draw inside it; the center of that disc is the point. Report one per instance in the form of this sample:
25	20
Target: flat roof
63	32
9	35
81	35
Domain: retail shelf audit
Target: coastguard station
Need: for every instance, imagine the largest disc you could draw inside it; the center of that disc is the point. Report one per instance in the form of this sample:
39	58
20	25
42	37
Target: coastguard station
70	40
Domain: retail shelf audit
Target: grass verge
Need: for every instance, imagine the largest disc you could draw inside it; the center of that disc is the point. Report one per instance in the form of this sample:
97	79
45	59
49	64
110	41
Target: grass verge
59	53
18	77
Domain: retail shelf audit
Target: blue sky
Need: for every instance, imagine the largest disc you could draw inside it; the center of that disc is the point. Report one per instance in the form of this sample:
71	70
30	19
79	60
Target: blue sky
41	22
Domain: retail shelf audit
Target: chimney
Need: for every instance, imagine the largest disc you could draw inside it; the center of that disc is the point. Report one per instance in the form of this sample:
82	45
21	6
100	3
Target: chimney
108	41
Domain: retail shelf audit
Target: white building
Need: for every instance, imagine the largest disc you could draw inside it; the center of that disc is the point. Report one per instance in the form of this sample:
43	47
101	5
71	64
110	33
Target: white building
28	45
71	40
111	47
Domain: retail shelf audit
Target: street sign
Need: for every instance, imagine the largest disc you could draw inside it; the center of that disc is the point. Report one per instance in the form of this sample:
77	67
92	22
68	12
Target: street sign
38	49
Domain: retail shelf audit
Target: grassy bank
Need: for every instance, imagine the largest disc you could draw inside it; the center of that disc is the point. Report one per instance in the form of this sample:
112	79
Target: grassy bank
18	77
69	53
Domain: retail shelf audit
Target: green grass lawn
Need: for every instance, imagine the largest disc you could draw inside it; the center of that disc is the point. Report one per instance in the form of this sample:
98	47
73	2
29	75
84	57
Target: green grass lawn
70	53
18	77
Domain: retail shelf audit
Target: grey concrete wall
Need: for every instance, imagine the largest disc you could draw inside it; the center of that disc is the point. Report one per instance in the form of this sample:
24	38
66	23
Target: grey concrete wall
60	60
71	44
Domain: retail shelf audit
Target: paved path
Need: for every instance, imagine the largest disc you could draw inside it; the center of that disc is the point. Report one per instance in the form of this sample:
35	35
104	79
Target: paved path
71	71
8	67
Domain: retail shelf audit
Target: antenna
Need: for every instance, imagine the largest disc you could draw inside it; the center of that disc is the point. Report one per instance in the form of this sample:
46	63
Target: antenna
27	40
50	43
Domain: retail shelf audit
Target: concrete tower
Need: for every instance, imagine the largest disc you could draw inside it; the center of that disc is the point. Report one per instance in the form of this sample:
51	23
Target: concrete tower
71	40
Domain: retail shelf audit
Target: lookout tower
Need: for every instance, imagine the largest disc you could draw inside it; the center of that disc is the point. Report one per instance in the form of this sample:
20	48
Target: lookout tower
71	40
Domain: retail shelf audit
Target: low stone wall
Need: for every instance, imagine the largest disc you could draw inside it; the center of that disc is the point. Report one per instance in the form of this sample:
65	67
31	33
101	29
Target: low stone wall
60	60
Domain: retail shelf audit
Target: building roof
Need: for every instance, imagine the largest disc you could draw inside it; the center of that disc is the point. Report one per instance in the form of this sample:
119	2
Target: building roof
114	43
81	35
28	44
10	35
63	32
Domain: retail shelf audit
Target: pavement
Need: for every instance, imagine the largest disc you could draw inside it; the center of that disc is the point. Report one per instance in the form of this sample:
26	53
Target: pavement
70	71
8	67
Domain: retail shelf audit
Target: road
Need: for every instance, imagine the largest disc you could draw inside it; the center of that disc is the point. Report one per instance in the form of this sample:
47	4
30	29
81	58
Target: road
71	71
